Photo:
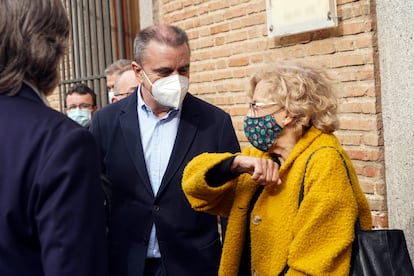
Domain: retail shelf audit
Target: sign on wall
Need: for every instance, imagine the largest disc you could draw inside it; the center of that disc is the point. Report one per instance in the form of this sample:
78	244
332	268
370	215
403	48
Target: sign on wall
286	17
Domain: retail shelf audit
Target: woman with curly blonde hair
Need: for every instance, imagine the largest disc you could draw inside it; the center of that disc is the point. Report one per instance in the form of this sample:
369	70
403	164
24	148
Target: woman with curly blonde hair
293	198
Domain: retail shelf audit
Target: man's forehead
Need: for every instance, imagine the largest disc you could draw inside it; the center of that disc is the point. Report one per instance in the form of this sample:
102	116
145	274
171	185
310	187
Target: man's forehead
127	80
129	74
76	97
111	77
163	55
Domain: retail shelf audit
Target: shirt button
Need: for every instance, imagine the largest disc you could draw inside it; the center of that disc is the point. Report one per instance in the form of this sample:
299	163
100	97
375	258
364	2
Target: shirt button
156	208
257	220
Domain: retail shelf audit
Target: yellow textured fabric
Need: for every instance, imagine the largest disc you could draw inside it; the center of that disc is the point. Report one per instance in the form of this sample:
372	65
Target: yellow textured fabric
315	239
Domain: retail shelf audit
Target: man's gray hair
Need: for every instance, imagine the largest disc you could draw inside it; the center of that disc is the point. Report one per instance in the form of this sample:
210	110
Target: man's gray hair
117	66
166	34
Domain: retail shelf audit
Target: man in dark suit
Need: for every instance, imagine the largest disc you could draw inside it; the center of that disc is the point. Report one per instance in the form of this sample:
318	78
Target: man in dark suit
146	140
51	203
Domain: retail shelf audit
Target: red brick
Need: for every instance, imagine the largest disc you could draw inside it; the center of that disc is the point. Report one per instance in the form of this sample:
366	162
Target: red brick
236	62
380	220
220	28
320	47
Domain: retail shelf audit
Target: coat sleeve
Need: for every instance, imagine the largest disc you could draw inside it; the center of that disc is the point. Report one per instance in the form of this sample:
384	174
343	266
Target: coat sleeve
69	209
216	200
323	229
202	197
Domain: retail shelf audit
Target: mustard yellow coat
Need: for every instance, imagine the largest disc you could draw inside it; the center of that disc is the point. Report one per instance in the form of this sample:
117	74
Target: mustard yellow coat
315	239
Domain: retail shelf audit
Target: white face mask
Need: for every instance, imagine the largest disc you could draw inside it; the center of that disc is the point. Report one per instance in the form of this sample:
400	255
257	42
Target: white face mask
81	116
169	91
110	95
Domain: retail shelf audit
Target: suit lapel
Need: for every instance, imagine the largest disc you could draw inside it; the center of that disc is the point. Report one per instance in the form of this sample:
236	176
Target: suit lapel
129	123
187	130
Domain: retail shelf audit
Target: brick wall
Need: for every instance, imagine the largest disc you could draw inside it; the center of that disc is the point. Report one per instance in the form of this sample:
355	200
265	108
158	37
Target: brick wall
229	41
54	101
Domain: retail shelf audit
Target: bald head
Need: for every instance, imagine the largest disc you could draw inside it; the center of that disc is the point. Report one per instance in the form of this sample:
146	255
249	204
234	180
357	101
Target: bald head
125	84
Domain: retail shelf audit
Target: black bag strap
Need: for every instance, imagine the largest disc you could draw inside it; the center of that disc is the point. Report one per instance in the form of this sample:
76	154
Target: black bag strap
302	189
302	185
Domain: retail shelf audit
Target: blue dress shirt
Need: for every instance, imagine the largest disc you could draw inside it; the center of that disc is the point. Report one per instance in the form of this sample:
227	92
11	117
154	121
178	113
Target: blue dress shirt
158	137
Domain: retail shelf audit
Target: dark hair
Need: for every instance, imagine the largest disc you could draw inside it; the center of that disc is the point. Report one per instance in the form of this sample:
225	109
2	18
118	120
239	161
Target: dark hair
34	37
82	89
117	66
166	34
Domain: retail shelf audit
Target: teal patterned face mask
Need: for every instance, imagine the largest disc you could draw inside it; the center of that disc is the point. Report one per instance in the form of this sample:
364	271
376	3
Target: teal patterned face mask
262	132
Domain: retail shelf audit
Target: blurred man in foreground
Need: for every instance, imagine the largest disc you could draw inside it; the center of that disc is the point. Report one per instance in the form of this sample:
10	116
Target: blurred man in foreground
51	214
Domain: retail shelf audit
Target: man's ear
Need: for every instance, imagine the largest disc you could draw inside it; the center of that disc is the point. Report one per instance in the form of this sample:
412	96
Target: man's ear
94	109
138	71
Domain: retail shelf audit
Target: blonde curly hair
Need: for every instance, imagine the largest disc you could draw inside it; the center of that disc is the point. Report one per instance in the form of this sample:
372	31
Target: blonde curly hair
305	92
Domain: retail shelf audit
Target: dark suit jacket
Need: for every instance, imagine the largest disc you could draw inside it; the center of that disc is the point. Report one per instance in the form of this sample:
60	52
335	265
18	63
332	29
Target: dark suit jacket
188	240
51	204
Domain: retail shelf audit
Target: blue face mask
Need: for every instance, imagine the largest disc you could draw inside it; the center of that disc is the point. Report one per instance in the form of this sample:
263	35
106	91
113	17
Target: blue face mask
81	116
262	132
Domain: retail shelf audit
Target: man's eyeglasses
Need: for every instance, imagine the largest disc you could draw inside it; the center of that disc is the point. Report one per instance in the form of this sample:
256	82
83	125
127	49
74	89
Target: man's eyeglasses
80	106
124	94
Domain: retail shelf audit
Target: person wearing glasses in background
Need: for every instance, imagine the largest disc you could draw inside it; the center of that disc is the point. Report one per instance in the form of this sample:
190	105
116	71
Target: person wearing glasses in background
125	84
111	72
80	104
290	124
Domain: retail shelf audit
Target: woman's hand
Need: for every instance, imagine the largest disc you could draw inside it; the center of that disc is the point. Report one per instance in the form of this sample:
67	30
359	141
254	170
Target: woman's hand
263	171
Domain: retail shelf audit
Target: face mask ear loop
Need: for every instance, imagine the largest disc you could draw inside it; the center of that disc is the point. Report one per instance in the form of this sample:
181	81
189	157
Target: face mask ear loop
146	77
150	92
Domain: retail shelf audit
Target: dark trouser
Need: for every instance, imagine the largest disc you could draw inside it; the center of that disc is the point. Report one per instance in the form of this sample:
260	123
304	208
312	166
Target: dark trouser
153	267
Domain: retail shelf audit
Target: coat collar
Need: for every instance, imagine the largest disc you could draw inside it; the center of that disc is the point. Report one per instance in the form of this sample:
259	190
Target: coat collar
303	144
36	91
29	92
